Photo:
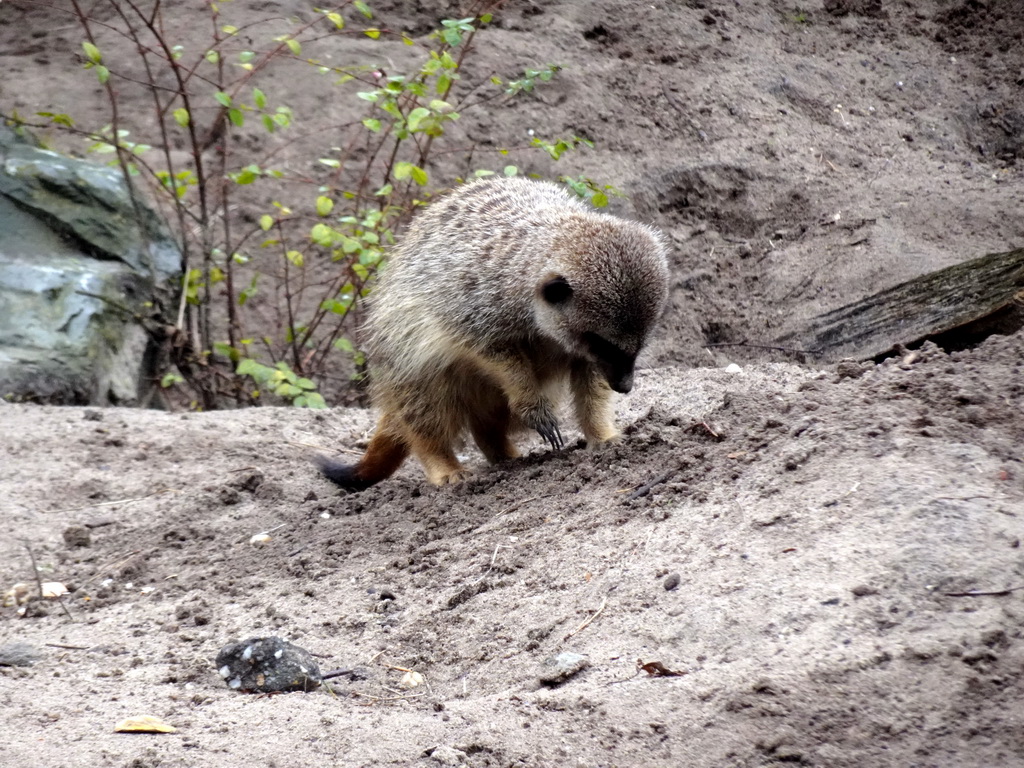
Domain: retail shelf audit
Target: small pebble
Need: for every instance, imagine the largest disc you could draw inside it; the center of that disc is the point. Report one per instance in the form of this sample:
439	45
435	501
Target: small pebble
557	669
77	536
671	581
863	590
446	755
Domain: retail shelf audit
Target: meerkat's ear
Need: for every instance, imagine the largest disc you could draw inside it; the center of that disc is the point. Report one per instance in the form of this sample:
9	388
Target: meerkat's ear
556	290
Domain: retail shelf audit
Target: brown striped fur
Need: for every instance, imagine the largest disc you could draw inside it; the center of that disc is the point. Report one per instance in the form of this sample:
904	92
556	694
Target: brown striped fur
504	296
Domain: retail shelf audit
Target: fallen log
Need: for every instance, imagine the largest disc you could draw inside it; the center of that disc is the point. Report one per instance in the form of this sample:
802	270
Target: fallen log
957	307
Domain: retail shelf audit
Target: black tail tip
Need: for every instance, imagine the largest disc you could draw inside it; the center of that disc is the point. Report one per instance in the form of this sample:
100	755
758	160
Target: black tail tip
344	475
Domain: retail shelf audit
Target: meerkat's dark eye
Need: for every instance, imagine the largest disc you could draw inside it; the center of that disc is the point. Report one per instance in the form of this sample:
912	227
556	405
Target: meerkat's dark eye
556	290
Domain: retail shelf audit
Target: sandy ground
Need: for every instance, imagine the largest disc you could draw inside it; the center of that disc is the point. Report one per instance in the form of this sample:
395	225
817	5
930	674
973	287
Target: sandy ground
824	533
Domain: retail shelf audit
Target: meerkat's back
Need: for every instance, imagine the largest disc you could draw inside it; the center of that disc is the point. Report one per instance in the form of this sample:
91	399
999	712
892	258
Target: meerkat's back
503	296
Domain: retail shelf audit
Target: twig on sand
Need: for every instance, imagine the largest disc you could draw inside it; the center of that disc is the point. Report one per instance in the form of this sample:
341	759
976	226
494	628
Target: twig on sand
35	569
119	501
380	699
39	581
586	623
644	489
980	593
789	350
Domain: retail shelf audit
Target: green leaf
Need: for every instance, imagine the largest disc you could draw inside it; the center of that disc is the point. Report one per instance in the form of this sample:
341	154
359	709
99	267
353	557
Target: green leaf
181	117
322	235
102	73
266	222
294	46
269	124
248	292
226	350
419	175
416	117
330	162
170	379
236	117
222	98
372	33
336	19
283	116
247	175
373	124
510	170
212	56
295	257
402	170
259	98
92	53
314	400
600	199
246	56
58	118
249	367
363	8
324	205
227	29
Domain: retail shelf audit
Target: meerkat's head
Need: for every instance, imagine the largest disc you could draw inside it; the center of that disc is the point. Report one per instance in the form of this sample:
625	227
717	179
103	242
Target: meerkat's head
602	291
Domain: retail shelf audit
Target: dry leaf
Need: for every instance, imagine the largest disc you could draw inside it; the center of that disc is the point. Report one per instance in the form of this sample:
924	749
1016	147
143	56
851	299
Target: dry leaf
144	724
657	669
54	589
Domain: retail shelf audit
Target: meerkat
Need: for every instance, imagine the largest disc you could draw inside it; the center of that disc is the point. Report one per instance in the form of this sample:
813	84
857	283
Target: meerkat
504	296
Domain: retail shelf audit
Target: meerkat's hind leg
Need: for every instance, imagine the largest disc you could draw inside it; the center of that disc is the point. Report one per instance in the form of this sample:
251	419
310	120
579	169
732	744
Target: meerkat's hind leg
592	399
438	459
490	422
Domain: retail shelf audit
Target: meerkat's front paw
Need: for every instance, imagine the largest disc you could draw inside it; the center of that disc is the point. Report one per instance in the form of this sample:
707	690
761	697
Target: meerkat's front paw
542	419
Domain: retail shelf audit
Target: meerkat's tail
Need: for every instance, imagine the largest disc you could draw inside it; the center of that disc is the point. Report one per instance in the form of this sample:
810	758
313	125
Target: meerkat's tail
382	459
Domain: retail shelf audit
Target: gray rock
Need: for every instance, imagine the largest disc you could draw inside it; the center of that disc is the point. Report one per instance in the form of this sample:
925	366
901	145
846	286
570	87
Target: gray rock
18	655
446	755
263	664
75	249
555	670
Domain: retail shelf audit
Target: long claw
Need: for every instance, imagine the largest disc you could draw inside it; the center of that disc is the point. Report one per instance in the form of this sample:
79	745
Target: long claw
552	435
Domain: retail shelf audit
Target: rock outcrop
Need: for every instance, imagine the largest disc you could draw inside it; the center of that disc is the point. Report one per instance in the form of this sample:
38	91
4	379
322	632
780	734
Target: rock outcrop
80	263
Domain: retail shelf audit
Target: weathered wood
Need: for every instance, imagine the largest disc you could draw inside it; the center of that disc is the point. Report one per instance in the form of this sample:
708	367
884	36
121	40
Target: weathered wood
956	307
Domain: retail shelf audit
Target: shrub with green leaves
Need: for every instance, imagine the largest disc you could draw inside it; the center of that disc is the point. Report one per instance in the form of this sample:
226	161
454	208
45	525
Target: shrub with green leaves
272	299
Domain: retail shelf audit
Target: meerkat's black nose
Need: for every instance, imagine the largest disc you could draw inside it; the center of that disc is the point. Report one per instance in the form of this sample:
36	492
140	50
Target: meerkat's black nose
623	384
